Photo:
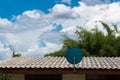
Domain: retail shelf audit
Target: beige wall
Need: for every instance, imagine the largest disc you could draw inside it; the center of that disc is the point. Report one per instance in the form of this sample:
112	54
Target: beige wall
18	76
64	76
73	77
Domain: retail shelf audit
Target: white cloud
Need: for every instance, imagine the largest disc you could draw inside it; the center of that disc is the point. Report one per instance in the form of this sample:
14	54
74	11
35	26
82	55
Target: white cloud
5	22
27	29
30	20
53	37
92	2
112	13
66	1
5	25
95	2
33	14
40	52
1	45
61	11
5	53
33	26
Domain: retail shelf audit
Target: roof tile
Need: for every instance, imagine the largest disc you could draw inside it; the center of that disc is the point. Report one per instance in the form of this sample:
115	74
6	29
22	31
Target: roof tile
61	62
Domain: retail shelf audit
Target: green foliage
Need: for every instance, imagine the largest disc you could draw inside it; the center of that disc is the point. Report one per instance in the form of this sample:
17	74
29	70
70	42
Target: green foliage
56	53
5	76
17	55
94	42
67	44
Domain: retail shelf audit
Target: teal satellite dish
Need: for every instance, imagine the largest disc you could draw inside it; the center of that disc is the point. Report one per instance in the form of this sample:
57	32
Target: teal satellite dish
74	55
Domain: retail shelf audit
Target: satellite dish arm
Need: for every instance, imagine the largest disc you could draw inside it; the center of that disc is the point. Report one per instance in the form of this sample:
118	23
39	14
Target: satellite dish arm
74	64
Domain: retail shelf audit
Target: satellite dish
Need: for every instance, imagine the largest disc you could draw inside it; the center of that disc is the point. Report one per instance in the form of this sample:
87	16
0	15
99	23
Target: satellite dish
74	56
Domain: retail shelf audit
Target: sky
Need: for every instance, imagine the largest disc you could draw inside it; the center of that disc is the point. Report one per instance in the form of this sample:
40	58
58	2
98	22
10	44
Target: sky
37	27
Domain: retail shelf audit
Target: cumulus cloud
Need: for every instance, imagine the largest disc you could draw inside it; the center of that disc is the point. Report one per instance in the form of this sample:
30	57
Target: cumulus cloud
33	14
96	2
53	37
31	20
66	1
5	53
36	51
5	22
61	11
5	25
36	33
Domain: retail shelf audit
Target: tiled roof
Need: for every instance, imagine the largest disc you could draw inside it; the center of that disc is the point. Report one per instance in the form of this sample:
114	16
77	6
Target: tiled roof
61	62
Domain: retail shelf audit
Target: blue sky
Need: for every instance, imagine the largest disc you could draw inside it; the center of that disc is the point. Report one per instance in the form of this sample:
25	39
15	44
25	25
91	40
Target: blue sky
9	8
37	27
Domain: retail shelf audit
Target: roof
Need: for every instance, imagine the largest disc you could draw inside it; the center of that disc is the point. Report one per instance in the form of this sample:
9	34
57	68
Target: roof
61	62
